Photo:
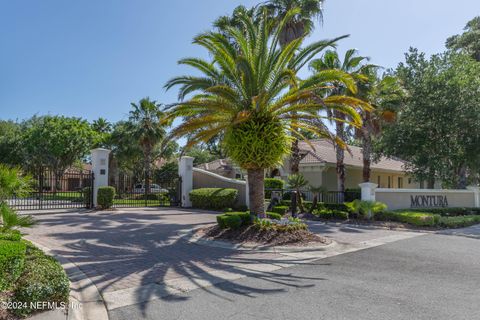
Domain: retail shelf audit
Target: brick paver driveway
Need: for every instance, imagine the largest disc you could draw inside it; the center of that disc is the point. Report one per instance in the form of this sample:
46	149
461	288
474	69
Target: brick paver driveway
130	254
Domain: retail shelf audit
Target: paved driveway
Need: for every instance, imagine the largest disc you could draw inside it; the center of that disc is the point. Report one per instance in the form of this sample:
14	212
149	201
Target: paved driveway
137	255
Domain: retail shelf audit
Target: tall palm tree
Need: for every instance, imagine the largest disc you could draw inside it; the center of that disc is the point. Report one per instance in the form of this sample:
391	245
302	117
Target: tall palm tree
101	125
353	65
386	95
147	125
300	25
247	93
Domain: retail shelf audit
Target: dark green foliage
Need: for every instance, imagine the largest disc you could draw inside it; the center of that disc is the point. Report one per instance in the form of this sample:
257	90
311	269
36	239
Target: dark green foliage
293	225
418	219
281	210
167	172
12	257
11	235
43	280
352	194
336	206
213	198
87	196
226	221
274	216
153	196
273	183
459	221
328	214
245	216
105	196
449	211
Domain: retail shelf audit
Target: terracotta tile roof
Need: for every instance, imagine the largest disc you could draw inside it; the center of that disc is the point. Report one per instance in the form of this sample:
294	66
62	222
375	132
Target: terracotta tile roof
325	152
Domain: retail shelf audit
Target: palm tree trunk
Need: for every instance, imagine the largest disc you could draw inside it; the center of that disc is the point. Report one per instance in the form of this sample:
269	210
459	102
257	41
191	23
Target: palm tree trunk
256	192
295	157
366	149
340	168
148	154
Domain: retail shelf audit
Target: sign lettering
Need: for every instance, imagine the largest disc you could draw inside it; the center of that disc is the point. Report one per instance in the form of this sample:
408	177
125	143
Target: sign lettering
428	201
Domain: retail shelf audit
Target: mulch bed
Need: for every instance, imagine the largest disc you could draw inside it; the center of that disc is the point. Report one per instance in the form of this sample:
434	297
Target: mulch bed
251	234
4	313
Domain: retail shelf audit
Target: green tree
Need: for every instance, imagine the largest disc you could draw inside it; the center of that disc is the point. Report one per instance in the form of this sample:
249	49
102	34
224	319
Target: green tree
469	41
56	142
354	66
437	129
297	182
147	126
11	145
200	155
103	130
247	94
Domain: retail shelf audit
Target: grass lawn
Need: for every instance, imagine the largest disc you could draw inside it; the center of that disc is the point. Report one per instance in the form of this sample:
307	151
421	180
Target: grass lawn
140	203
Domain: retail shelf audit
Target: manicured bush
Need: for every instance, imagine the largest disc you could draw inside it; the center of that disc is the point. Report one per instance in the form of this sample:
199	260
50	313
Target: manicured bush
105	196
419	219
245	216
288	195
87	196
273	183
11	235
331	214
226	221
449	211
336	206
281	210
459	221
12	258
43	280
289	226
213	198
274	215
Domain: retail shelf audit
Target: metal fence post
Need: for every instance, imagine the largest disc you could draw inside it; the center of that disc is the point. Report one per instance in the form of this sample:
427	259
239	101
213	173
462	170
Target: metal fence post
293	199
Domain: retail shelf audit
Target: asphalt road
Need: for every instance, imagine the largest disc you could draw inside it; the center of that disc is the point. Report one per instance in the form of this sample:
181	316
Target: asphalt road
426	277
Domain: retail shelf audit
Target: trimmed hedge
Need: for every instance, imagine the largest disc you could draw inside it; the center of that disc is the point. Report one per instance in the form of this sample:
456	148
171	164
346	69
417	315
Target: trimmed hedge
245	216
226	221
11	235
419	219
274	215
87	196
448	211
459	221
281	210
105	196
43	280
12	258
331	214
273	183
213	198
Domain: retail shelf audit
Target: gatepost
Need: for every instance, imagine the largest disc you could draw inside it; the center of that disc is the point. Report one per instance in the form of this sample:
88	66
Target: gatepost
185	171
100	171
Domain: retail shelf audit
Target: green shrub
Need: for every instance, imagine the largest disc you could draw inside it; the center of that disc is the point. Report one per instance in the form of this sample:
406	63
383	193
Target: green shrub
292	225
226	221
43	280
366	209
459	221
274	216
419	219
87	196
213	198
449	211
105	196
281	210
11	235
273	183
331	214
12	258
336	206
245	216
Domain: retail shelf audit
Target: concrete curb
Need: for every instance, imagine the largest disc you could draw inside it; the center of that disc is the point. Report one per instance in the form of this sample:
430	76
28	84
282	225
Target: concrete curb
83	293
192	237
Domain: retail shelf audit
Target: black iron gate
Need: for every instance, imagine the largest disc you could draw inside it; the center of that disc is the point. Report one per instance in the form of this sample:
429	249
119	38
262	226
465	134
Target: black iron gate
132	191
71	189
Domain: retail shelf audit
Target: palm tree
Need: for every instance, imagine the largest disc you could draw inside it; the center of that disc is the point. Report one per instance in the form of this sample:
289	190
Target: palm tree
300	25
147	125
247	94
385	94
101	125
353	65
316	190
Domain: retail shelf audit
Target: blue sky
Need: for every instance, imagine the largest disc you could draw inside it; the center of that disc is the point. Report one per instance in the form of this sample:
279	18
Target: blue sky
92	58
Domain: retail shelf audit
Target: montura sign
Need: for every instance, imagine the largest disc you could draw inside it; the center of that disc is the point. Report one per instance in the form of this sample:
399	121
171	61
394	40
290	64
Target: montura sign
428	201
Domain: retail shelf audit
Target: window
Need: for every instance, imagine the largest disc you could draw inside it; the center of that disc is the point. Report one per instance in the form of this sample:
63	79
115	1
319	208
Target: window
400	183
238	176
378	181
389	182
409	180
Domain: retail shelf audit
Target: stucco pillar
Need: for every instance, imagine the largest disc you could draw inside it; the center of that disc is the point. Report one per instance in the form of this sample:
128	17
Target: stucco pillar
100	170
368	191
185	171
247	192
476	195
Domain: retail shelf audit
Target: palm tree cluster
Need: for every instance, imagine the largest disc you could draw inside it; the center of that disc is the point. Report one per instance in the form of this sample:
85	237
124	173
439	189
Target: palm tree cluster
250	93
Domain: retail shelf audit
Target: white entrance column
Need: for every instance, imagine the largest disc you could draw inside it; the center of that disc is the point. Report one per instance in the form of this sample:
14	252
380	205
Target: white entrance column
476	195
185	171
368	191
100	170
